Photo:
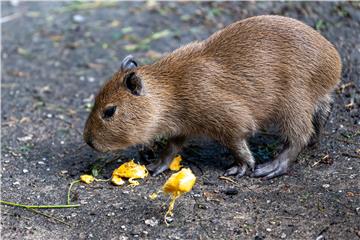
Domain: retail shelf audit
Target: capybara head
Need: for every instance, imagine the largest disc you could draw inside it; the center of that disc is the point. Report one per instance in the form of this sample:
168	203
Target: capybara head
123	113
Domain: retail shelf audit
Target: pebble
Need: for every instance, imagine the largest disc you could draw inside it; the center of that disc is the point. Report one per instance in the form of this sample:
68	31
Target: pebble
152	222
231	191
91	79
62	142
111	214
268	229
49	115
320	237
41	162
25	138
78	18
25	171
283	235
73	214
123	227
16	183
326	185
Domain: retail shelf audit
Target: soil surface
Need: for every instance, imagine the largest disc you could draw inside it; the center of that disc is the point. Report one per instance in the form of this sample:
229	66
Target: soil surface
55	56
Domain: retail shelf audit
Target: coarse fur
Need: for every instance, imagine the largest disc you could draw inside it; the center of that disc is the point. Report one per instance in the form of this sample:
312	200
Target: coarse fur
261	70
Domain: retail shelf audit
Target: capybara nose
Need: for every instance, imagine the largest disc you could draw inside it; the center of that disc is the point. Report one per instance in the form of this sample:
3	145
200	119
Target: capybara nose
89	141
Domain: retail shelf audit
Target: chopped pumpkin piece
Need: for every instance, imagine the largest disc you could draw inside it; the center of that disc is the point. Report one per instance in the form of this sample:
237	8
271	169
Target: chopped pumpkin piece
178	183
117	180
87	178
175	164
153	196
133	183
132	171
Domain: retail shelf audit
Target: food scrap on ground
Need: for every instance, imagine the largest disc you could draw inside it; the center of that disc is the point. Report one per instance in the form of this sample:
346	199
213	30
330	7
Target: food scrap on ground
117	180
153	196
132	171
175	164
87	178
178	184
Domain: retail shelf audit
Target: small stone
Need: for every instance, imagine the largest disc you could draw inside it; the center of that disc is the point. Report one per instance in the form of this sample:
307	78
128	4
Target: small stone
25	138
25	171
231	191
78	18
268	201
62	142
123	227
73	215
320	237
49	115
326	185
111	214
268	229
91	79
16	183
151	222
283	235
48	169
40	162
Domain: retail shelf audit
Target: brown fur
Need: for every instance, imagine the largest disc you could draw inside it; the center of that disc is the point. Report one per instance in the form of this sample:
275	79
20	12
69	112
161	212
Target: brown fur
265	69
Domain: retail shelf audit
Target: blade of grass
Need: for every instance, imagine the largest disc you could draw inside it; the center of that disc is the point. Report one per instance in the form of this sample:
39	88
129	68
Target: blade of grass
69	190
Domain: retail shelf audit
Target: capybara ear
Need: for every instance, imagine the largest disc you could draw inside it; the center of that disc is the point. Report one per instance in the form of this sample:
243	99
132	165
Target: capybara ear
134	84
128	63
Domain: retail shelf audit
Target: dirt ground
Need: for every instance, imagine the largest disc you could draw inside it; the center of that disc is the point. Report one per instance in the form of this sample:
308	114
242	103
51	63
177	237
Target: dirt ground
55	56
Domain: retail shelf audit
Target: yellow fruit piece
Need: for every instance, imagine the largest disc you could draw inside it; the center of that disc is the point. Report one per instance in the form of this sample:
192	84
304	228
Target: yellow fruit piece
133	183
117	180
175	164
87	178
131	170
153	196
180	182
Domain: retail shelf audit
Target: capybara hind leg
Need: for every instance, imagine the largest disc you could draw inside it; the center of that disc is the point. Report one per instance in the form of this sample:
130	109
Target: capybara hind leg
278	166
296	128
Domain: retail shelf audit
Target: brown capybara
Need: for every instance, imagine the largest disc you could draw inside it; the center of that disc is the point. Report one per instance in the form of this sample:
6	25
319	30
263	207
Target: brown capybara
261	70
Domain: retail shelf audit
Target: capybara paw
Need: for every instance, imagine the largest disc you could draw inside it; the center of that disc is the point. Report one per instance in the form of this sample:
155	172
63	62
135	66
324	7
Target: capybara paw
270	170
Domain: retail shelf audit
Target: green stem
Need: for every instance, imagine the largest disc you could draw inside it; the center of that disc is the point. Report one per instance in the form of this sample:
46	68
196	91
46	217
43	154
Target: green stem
38	206
69	190
102	180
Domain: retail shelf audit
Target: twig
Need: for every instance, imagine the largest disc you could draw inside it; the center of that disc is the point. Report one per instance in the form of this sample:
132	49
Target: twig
229	180
69	190
49	216
38	206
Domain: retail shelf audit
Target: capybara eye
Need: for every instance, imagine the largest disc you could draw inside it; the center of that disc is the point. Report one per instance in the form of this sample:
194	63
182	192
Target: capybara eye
109	112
